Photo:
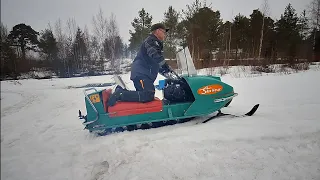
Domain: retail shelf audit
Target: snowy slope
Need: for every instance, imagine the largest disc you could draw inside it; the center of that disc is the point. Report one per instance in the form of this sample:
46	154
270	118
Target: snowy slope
42	138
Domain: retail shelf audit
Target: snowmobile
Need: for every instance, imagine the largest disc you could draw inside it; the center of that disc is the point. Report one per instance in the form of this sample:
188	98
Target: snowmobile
185	97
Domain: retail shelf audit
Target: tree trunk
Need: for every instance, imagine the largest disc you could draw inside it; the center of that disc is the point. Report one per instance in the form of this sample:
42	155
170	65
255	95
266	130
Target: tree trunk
229	42
253	49
23	51
198	49
237	53
225	52
261	39
316	30
222	42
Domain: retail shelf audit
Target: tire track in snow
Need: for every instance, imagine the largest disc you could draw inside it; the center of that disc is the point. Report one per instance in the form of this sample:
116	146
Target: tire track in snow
26	101
280	156
9	120
99	170
276	156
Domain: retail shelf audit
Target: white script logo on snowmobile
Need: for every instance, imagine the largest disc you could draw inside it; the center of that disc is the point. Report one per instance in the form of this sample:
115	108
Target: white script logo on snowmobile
210	89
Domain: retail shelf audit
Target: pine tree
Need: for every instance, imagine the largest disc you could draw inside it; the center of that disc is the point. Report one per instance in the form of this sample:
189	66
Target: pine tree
7	55
202	30
24	37
255	27
171	20
79	50
190	29
141	25
240	33
304	25
288	36
48	46
226	39
267	48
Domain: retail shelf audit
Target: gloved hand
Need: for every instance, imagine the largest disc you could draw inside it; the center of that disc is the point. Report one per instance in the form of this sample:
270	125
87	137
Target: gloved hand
164	69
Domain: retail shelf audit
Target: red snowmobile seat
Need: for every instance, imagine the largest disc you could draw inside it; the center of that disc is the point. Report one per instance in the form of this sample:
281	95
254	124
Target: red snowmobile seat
105	96
133	108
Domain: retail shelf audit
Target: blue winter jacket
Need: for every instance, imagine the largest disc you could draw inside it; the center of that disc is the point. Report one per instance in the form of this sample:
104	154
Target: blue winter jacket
149	59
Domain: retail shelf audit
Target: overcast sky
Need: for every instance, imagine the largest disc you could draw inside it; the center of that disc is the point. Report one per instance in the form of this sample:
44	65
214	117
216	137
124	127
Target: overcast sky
38	13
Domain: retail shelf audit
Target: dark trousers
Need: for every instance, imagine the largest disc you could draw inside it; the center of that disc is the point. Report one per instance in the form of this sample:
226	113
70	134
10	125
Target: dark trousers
145	91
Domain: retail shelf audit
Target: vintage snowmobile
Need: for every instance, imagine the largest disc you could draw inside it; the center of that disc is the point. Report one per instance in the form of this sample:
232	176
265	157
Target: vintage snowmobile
184	97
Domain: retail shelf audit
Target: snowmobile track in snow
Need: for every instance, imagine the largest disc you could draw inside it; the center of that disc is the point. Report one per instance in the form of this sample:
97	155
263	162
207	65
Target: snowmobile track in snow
26	99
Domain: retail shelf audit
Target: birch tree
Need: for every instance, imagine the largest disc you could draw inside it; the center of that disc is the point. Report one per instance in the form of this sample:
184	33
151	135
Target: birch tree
314	16
61	45
113	45
71	28
100	31
265	12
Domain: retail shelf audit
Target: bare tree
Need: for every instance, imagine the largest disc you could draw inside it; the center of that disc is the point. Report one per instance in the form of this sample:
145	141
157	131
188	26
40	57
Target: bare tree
4	32
65	37
314	12
265	11
3	37
86	38
71	28
94	53
100	29
113	33
61	42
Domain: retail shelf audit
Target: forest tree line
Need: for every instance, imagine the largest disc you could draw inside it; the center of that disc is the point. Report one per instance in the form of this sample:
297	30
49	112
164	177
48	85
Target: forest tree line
67	49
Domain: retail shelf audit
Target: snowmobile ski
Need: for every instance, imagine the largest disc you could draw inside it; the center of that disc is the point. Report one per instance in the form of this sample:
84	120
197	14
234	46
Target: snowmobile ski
220	114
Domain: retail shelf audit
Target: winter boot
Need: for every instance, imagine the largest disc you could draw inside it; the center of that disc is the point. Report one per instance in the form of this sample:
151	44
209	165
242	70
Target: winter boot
116	96
120	88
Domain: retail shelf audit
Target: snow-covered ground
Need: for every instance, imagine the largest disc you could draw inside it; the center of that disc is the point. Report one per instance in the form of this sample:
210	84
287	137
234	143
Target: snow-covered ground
42	138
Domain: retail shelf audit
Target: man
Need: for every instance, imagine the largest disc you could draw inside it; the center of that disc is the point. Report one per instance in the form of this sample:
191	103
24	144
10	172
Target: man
145	68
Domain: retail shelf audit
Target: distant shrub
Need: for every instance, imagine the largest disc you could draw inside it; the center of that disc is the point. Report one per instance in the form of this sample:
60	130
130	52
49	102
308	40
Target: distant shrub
262	69
300	66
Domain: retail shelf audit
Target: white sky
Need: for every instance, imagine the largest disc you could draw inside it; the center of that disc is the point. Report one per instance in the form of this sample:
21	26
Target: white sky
38	13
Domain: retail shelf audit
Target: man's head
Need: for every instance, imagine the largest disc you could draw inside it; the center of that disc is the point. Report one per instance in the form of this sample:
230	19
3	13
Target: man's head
159	30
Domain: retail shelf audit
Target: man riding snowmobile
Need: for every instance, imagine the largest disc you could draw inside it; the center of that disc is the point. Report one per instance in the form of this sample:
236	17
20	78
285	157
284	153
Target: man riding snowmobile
145	68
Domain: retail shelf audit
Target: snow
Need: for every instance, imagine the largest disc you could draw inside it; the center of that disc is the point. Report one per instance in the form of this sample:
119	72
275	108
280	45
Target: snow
42	138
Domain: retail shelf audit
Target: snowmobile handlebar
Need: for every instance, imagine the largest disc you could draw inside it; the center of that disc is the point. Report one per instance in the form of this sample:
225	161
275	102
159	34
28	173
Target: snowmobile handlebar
168	72
171	75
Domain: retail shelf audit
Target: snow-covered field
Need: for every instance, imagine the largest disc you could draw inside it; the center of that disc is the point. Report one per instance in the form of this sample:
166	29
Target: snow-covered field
42	138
